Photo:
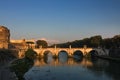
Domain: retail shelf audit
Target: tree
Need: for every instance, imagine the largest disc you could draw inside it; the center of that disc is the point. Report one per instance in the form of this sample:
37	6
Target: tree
107	43
21	66
42	43
111	42
96	41
30	54
116	41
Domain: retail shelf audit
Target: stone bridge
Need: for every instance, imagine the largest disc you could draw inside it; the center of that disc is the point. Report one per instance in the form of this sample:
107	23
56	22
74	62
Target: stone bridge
70	51
56	51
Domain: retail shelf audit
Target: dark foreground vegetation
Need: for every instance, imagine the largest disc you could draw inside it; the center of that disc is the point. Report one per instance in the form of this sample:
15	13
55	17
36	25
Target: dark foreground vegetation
21	66
7	55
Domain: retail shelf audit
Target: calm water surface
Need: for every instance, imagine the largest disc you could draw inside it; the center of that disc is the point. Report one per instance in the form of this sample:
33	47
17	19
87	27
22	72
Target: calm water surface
65	68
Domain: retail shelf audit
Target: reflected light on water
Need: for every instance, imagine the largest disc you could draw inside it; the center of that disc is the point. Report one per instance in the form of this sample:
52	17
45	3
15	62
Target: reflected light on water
72	69
64	68
62	59
58	62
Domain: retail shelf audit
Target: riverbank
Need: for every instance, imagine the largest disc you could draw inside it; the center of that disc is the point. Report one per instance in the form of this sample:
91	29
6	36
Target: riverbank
109	58
5	73
21	66
6	57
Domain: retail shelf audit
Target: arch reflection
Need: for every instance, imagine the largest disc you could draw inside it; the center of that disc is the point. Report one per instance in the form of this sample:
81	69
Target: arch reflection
47	57
63	57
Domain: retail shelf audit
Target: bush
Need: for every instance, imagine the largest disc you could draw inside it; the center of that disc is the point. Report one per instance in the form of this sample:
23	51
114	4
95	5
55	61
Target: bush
30	54
21	66
6	55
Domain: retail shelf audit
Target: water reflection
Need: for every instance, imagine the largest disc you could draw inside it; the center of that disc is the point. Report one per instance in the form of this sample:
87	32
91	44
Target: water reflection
84	69
63	57
48	58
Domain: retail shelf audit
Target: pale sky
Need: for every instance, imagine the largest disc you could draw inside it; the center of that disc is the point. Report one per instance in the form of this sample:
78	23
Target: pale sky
60	20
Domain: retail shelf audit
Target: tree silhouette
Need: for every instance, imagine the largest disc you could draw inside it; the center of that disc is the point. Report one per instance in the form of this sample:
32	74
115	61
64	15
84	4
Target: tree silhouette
42	43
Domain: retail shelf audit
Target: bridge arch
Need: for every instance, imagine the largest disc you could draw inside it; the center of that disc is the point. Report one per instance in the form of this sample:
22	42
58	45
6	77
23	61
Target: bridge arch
93	53
63	56
38	52
78	53
66	52
46	52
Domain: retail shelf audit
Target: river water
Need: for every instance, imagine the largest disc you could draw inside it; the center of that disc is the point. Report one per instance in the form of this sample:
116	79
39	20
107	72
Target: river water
65	68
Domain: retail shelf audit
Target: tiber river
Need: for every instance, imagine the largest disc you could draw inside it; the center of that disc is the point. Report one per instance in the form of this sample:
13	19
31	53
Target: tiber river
65	68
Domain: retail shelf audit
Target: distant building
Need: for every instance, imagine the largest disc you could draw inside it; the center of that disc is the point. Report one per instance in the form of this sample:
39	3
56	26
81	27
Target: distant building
4	37
6	43
22	44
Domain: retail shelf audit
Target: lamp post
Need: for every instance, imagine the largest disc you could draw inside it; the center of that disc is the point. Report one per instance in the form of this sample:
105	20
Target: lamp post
85	47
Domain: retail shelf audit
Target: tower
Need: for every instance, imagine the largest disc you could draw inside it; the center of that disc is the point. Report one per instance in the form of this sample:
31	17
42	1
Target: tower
4	37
